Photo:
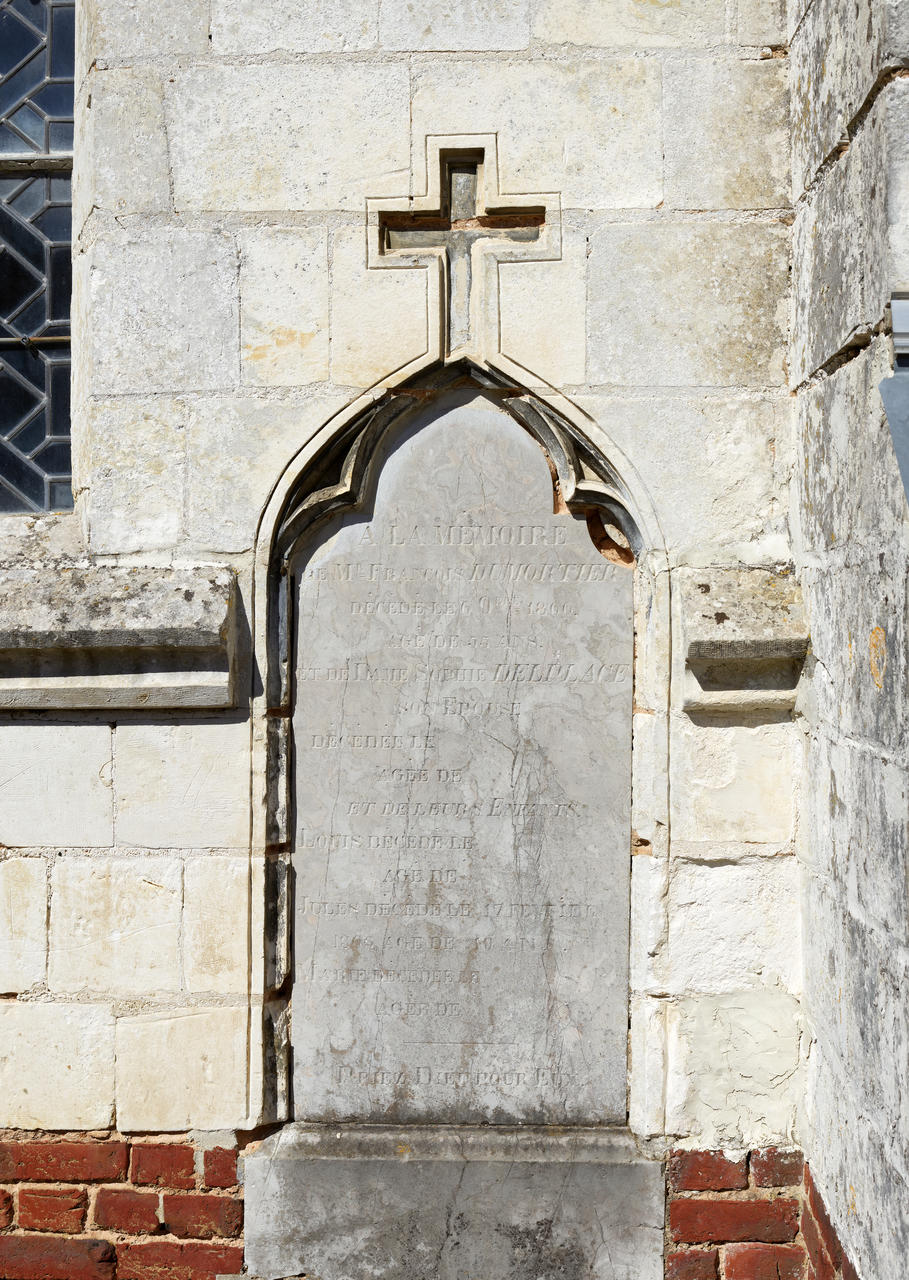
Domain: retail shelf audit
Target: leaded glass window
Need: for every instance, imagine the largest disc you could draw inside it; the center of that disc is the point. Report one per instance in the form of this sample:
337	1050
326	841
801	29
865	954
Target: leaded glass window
36	138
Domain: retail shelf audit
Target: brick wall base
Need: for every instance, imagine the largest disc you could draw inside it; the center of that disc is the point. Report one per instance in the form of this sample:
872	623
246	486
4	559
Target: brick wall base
755	1218
163	1208
112	1208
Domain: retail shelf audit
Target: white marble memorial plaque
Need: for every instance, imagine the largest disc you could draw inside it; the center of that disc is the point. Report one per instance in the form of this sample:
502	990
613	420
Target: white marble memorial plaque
462	746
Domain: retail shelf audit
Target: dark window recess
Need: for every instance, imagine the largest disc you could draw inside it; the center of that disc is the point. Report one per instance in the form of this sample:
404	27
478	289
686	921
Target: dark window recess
37	48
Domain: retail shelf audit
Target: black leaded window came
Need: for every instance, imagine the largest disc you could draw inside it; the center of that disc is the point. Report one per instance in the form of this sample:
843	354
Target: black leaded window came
36	137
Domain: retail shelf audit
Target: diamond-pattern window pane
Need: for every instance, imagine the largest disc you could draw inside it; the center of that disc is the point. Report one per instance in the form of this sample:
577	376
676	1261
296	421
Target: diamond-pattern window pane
37	50
37	45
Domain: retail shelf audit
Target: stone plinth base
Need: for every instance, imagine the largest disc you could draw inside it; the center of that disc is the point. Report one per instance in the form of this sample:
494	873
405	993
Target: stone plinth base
452	1203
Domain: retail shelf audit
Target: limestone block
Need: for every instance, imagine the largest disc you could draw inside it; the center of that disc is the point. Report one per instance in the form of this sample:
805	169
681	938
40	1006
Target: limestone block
686	304
56	1066
120	29
895	109
850	487
56	781
834	67
762	22
733	1068
730	444
733	927
115	925
123	119
842	274
293	26
733	782
182	1069
236	450
542	318
163	308
284	307
617	23
216	910
365	346
284	137
726	134
647	1066
182	785
23	923
590	130
135	474
454	24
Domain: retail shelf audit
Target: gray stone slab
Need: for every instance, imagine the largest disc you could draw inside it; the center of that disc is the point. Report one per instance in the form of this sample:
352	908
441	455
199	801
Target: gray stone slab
377	1203
462	741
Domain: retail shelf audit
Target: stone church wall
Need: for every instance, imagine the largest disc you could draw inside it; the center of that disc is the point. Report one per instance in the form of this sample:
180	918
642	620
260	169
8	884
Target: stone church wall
851	253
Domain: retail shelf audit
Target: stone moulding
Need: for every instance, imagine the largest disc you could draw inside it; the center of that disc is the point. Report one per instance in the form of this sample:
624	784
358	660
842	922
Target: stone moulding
80	636
746	638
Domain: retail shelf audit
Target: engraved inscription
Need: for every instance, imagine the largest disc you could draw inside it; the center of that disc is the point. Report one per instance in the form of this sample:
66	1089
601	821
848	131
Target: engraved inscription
462	755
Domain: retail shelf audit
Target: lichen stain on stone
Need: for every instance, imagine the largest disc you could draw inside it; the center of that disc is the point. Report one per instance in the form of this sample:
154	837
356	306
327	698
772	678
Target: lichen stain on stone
877	649
536	1256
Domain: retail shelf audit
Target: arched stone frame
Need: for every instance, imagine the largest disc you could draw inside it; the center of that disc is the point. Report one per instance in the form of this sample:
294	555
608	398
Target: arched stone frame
327	476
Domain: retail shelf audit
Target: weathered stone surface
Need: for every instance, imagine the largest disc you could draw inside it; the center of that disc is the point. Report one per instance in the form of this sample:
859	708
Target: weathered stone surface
115	925
652	321
550	343
147	339
743	613
57	1066
732	928
365	347
236	448
733	782
284	307
125	119
87	606
199	1053
310	26
842	281
613	160
735	445
56	788
762	22
726	135
611	23
454	24
182	785
126	638
414	1202
134	474
462	866
835	63
732	1068
23	923
282	137
112	29
216	908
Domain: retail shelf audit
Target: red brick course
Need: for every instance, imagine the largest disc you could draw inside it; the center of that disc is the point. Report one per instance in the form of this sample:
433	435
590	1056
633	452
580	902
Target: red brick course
692	1264
59	1209
56	1258
171	1260
124	1210
760	1217
64	1161
163	1165
706	1171
78	1230
765	1262
220	1164
202	1217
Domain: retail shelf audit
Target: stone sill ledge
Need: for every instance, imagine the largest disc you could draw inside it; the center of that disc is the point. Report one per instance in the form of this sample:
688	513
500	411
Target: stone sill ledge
78	636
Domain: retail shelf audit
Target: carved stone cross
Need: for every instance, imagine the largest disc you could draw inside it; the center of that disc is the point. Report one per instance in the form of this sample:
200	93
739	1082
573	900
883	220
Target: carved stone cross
461	227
